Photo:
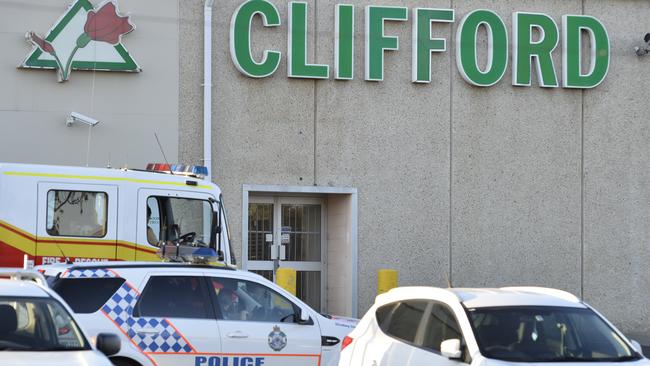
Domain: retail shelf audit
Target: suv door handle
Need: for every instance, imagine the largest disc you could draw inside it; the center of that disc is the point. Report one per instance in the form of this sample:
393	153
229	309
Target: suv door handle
148	331
237	335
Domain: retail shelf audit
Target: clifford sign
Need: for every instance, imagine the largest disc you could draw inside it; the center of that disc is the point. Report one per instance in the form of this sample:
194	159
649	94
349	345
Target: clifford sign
531	42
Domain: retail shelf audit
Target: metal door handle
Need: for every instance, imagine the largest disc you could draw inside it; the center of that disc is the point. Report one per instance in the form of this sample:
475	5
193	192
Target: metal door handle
148	331
237	335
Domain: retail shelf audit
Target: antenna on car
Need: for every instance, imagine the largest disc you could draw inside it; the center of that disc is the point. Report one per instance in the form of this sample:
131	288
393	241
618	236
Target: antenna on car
449	284
163	153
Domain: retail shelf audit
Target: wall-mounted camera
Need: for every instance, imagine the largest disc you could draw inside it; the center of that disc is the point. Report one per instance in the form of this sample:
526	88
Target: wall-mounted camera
80	118
642	51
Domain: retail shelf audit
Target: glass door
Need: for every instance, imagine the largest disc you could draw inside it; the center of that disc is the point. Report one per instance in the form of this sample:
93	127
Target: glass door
297	225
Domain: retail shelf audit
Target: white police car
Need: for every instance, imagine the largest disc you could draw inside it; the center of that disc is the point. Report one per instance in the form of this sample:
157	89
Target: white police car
36	327
485	327
179	314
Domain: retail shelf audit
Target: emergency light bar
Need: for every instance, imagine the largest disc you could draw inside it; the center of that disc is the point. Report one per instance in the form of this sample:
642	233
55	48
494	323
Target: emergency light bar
179	169
188	254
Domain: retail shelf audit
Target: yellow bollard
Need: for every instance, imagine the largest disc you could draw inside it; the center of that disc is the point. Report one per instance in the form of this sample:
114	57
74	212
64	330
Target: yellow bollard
386	280
286	278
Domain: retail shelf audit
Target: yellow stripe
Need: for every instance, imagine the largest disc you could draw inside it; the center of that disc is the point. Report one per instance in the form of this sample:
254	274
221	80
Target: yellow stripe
107	179
26	245
76	251
53	247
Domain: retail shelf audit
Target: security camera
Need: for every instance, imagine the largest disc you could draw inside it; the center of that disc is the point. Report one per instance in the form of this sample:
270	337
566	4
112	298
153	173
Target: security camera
80	118
641	51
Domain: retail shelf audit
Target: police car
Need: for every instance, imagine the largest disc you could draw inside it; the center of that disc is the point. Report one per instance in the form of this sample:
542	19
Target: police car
37	328
198	315
514	326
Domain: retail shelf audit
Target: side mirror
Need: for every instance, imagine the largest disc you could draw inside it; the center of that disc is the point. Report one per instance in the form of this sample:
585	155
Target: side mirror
637	346
304	316
108	343
451	349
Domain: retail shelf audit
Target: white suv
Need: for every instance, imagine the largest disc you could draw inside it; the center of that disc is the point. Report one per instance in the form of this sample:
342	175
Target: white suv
36	327
180	314
486	327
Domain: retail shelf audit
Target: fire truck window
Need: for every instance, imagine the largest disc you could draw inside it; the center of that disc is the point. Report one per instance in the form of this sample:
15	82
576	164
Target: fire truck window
153	221
174	297
181	217
86	295
77	213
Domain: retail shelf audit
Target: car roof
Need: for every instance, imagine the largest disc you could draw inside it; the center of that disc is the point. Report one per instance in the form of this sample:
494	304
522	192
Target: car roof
516	296
134	265
17	288
486	297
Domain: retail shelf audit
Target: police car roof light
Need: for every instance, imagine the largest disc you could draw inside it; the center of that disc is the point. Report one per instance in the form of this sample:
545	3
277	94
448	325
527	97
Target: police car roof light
189	254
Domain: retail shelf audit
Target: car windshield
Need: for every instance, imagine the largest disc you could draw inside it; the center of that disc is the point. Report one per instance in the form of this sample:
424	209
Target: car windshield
547	334
38	324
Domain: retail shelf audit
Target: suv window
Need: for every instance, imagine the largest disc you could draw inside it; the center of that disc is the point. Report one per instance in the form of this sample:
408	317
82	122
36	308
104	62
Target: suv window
250	301
439	326
77	213
86	295
174	297
401	320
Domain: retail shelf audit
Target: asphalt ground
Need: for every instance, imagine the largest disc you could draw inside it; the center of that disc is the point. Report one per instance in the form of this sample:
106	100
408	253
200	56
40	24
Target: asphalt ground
646	350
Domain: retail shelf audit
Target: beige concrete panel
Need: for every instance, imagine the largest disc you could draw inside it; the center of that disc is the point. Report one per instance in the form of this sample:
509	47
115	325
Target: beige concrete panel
617	179
339	254
516	155
130	106
125	140
389	139
190	132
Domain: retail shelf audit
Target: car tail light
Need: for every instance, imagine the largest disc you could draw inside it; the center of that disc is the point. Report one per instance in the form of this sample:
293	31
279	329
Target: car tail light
346	342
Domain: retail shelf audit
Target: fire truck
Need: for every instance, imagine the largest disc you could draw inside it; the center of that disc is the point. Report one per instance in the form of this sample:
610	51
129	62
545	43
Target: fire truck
57	214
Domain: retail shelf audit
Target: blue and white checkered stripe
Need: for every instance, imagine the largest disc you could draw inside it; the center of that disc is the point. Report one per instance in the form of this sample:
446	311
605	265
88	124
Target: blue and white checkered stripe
89	273
119	308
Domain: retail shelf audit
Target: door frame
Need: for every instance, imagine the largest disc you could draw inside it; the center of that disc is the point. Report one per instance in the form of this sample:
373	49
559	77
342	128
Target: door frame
305	192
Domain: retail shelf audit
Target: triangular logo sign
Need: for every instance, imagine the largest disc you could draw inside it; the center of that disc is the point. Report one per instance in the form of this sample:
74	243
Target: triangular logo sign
84	38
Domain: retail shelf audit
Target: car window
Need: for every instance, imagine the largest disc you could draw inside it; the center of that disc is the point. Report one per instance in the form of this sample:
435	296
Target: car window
401	320
86	295
38	324
174	297
77	213
250	301
547	334
439	326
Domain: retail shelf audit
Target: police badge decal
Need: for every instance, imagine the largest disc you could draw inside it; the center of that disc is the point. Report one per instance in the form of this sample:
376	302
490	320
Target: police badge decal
277	339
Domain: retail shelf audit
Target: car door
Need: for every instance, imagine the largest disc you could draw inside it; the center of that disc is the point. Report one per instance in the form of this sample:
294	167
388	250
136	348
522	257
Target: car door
173	321
411	332
259	326
165	215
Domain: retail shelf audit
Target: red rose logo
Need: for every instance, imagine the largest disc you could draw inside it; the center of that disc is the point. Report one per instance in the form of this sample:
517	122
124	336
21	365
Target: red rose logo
102	25
44	45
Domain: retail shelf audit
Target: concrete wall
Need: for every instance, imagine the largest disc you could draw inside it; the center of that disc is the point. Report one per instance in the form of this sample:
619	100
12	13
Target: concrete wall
487	187
339	254
34	107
